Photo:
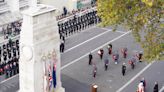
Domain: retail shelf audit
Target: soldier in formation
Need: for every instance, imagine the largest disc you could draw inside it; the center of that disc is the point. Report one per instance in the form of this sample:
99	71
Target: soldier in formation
78	23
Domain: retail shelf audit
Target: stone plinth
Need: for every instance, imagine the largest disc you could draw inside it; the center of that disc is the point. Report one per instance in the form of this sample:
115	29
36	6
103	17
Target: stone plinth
39	51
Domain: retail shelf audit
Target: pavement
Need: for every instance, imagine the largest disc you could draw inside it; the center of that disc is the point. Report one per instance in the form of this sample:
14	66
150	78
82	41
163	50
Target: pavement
77	74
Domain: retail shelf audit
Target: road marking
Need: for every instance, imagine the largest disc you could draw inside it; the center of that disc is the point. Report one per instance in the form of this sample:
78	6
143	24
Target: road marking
9	78
162	89
86	41
114	31
119	90
65	66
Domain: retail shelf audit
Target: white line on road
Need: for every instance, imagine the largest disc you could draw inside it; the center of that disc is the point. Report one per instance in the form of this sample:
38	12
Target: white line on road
162	89
119	90
94	50
113	31
86	41
9	78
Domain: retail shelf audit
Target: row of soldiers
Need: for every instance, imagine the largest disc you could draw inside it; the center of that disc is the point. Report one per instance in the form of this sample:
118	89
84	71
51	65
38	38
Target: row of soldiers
9	55
9	50
78	23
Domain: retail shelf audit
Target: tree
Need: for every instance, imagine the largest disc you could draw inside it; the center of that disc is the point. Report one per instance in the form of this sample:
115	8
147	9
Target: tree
142	17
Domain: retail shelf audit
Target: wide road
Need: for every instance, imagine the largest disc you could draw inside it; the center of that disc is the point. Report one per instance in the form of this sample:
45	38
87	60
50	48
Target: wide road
154	73
77	74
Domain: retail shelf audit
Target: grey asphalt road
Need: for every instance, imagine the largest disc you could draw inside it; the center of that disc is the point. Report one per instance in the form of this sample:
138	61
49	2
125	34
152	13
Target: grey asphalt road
154	73
77	77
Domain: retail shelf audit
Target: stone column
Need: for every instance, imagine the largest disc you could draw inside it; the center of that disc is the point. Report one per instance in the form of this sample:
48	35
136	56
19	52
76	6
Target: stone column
13	5
39	50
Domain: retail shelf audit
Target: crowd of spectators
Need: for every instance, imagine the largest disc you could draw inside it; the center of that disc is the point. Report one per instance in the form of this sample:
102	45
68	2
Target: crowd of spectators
11	29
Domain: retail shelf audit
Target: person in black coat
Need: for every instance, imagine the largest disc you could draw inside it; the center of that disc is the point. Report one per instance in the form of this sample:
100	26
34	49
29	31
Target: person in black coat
90	59
156	87
106	64
123	69
140	54
62	47
110	49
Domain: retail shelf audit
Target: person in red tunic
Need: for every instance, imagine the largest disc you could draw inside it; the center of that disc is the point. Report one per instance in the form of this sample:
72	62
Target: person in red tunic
100	53
124	52
94	70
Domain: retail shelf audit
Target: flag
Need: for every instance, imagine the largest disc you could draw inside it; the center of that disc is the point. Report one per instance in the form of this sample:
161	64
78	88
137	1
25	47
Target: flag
54	75
49	77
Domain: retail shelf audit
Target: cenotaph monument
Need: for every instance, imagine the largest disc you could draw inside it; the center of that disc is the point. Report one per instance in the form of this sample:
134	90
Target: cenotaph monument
39	63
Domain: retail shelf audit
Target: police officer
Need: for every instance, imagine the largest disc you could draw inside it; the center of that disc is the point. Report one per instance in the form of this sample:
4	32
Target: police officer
90	59
123	69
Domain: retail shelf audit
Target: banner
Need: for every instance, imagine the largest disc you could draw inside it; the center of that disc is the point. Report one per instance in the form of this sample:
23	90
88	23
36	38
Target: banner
54	75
